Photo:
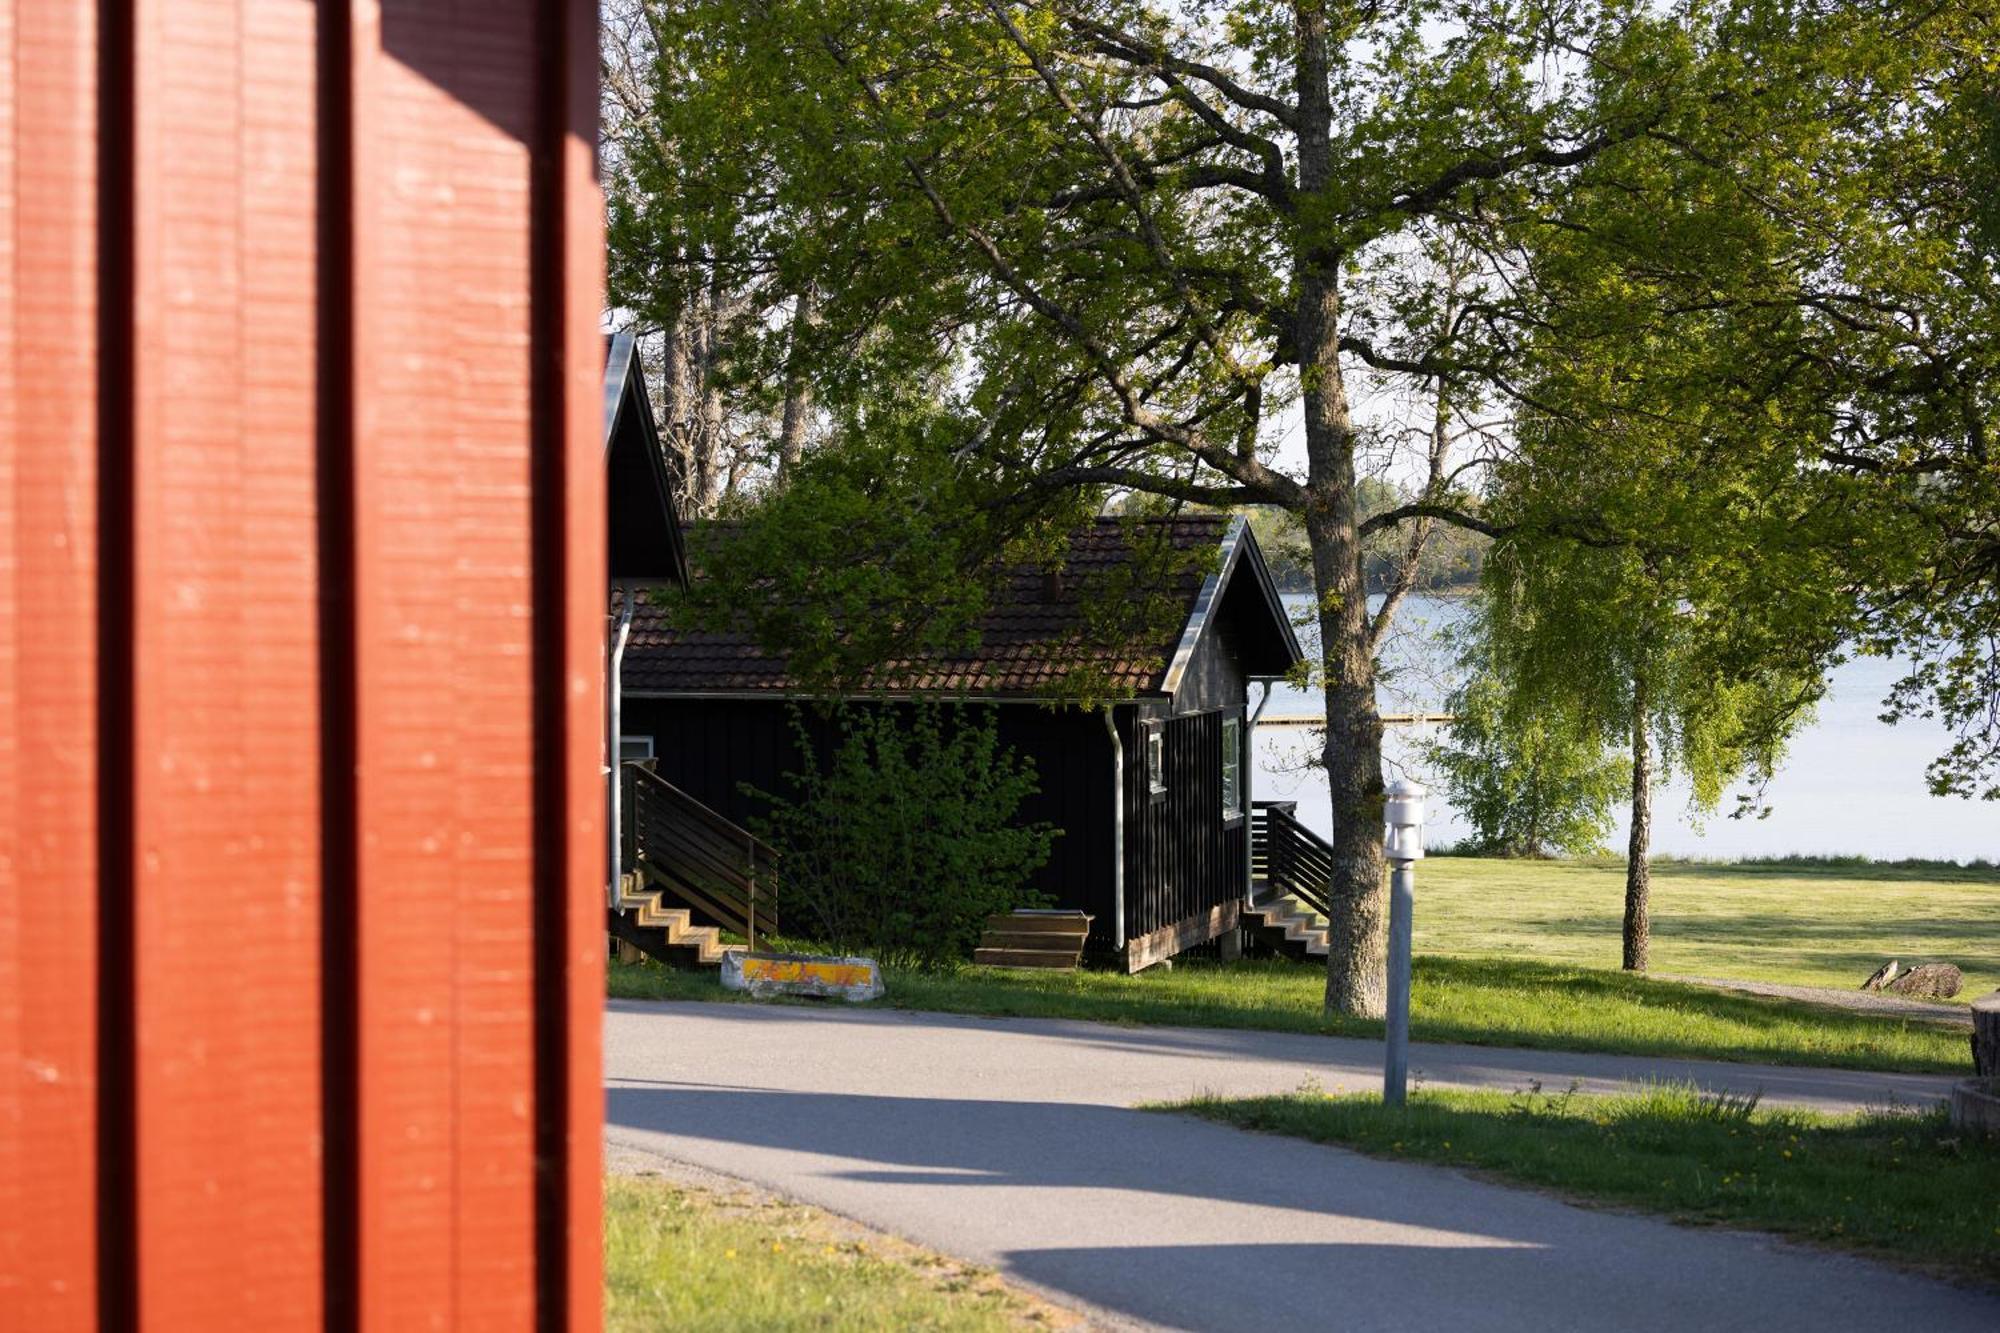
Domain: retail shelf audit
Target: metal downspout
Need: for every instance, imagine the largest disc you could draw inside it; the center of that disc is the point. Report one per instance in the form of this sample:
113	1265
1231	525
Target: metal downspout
614	742
1117	829
1249	806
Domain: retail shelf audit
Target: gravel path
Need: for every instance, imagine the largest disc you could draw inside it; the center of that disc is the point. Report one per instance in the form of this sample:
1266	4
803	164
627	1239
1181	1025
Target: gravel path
1856	1001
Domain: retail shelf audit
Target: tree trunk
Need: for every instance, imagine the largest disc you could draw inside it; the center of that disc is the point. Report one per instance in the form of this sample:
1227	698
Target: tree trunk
1638	865
798	389
1355	964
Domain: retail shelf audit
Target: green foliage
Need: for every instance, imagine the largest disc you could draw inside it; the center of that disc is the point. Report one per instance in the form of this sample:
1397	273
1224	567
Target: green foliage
904	839
1533	786
1591	636
1765	368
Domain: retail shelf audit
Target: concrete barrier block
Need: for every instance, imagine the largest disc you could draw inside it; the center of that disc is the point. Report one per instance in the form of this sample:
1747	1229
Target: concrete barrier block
850	979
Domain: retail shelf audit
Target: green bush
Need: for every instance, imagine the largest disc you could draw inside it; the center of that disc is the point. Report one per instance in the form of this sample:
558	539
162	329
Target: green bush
1527	786
903	839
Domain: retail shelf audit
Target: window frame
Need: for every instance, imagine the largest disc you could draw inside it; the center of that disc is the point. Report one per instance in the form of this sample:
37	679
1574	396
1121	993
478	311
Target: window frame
1232	764
626	738
1155	740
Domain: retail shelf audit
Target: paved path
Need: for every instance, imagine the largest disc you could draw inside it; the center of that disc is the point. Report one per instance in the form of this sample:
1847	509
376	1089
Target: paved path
1008	1142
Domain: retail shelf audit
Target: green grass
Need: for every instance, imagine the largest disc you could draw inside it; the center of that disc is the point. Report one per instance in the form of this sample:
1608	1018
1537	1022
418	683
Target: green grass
1902	1186
1525	953
1804	921
682	1258
1486	1002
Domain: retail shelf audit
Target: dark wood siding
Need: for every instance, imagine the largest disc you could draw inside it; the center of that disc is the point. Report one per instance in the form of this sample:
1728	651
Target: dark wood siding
1214	676
713	748
1182	858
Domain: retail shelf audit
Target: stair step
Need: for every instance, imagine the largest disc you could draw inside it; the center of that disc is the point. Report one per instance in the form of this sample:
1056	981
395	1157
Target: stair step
1288	925
1065	959
1040	922
1033	940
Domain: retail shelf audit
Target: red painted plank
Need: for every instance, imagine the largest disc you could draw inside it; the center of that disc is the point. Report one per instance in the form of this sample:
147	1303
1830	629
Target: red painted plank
48	1009
443	621
224	745
450	385
584	669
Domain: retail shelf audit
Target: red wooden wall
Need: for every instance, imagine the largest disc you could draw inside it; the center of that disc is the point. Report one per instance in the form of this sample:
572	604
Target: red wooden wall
301	590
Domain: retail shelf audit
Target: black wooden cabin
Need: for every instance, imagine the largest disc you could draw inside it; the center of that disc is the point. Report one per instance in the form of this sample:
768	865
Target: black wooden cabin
1162	865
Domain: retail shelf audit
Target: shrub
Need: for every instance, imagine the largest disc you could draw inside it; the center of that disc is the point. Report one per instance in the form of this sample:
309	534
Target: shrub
1527	786
903	838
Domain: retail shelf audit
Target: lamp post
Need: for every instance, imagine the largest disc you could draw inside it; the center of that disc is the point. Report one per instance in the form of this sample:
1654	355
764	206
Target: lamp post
1403	844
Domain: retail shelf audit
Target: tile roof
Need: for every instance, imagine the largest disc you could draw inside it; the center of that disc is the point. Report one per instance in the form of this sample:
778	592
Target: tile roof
1028	639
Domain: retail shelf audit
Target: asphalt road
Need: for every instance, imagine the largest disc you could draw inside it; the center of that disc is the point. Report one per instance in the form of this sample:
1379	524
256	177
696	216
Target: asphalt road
1010	1142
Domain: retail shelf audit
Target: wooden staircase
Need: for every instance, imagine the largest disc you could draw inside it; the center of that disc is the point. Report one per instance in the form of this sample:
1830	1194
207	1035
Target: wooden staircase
1287	926
1028	938
689	875
643	920
1291	869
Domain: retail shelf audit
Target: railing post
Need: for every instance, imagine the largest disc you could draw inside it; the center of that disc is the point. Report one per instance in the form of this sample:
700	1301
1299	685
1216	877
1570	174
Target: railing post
628	832
1404	845
750	917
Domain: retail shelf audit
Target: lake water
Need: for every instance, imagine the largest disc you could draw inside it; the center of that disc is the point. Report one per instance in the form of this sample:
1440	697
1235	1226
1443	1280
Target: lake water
1850	784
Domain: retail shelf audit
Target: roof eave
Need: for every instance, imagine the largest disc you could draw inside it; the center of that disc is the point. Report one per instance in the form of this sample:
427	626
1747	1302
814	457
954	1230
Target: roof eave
1239	546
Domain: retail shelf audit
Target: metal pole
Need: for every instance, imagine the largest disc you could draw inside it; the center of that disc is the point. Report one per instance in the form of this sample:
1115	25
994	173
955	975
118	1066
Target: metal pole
1404	845
614	743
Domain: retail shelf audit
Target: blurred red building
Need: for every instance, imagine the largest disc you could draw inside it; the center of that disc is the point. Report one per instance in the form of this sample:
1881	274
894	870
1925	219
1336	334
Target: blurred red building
301	598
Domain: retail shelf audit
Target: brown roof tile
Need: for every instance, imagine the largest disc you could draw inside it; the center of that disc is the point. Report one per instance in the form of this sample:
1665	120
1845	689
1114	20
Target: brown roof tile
1028	641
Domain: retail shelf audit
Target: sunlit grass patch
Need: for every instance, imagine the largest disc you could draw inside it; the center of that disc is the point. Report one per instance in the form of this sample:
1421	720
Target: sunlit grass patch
1476	1001
1895	1183
676	1257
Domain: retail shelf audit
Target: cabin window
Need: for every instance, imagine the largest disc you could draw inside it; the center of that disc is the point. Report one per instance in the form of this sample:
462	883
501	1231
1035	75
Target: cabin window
1232	767
1156	759
635	747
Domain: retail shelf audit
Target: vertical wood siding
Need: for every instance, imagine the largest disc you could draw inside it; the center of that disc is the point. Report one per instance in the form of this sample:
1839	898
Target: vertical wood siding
48	666
713	748
1180	859
301	595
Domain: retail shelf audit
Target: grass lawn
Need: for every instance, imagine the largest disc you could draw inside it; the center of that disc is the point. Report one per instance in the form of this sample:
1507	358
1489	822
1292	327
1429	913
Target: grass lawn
682	1258
1800	922
1525	953
1899	1186
1489	1002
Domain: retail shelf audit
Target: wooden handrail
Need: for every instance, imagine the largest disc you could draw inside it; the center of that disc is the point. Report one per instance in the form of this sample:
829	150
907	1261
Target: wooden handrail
1295	862
695	855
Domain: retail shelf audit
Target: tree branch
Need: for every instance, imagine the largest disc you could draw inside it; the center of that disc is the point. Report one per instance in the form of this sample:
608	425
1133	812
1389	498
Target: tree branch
1152	483
1417	201
1443	513
1134	49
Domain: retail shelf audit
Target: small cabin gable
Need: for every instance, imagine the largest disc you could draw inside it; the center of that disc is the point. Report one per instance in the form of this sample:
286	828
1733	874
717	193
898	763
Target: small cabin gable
644	537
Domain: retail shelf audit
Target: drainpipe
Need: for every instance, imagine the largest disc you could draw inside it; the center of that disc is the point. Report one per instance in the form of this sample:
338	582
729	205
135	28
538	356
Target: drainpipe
613	742
1249	808
1117	829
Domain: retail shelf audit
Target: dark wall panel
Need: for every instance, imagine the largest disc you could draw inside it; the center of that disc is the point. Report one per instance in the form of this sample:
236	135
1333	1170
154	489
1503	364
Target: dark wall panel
1180	858
711	748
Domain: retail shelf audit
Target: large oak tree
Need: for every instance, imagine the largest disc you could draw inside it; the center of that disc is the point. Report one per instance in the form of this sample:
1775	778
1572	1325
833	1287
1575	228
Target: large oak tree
1075	247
